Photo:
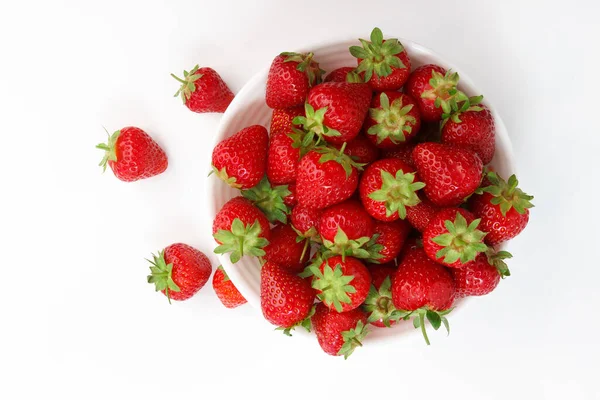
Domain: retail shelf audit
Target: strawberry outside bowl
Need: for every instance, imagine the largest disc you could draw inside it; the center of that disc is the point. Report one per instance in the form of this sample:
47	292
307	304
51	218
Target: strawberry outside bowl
249	108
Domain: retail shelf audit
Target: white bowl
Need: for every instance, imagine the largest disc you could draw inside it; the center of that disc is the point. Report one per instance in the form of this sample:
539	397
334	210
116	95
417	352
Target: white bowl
249	108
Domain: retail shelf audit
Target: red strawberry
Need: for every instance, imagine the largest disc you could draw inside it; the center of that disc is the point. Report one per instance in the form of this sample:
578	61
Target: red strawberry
225	289
339	333
502	207
179	271
290	78
281	119
387	188
412	243
361	150
305	221
241	160
379	305
384	64
286	299
270	200
425	288
393	120
481	276
325	177
241	228
421	214
473	129
403	153
391	237
285	250
290	200
452	238
341	75
450	173
132	154
282	160
202	90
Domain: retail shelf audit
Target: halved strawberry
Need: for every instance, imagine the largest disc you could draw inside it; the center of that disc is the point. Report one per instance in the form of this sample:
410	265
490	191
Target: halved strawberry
393	120
226	290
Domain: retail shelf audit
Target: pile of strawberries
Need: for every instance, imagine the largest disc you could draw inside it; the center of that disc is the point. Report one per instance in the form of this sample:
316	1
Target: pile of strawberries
368	202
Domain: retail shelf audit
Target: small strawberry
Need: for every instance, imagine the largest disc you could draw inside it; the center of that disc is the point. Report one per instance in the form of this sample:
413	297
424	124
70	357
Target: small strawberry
282	159
305	221
421	214
384	64
290	78
270	200
425	289
379	305
202	90
361	150
285	250
388	187
452	238
393	120
132	154
343	74
450	173
481	276
179	271
403	153
339	333
502	207
286	299
473	129
390	236
241	160
281	119
225	290
240	228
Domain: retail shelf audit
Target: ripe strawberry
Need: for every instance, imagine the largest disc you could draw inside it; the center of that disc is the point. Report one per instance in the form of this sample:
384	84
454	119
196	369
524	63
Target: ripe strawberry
290	200
403	153
281	119
393	120
421	214
361	150
282	159
452	238
481	276
286	299
225	290
450	173
241	228
424	288
502	207
387	188
339	333
325	177
241	160
305	221
285	250
379	305
179	271
384	64
342	74
202	90
290	78
391	237
413	242
473	129
270	200
132	154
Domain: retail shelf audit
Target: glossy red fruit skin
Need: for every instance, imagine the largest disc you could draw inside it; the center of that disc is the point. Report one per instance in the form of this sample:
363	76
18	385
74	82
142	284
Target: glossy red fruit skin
211	94
347	106
403	153
395	80
138	156
282	160
420	282
329	325
378	275
226	290
476	131
281	119
339	74
348	216
361	150
305	218
450	173
191	270
284	250
477	278
500	228
285	298
418	82
391	236
413	242
243	155
437	227
290	200
241	208
286	85
319	185
371	181
361	282
421	215
414	112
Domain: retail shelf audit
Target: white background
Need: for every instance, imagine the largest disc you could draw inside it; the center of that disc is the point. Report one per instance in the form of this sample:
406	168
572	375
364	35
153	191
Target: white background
80	322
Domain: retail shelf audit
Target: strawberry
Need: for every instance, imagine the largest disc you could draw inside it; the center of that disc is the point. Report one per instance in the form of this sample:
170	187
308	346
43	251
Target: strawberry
339	333
241	160
452	238
285	250
379	305
403	153
425	289
286	299
240	228
384	64
202	90
225	290
290	78
270	200
305	221
450	173
388	187
282	159
342	74
413	242
502	207
391	237
179	271
481	276
421	214
281	119
325	177
132	154
473	129
361	150
290	200
393	120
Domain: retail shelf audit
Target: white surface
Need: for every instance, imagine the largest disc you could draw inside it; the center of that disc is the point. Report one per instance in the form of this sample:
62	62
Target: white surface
79	320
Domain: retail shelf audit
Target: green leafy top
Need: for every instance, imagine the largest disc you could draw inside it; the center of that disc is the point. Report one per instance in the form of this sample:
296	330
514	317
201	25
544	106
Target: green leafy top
110	152
364	247
393	120
378	56
241	240
188	83
305	323
379	304
270	200
507	195
352	339
222	175
333	285
398	192
314	126
307	65
470	104
332	154
462	242
161	275
444	92
497	260
435	318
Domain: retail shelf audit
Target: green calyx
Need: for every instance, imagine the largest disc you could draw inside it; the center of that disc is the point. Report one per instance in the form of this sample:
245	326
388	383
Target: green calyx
188	83
305	141
379	304
506	195
305	323
364	247
110	149
378	57
269	200
393	121
225	276
497	260
462	242
398	192
332	154
444	92
333	285
470	104
222	175
307	65
241	240
161	275
313	125
435	318
352	339
353	77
